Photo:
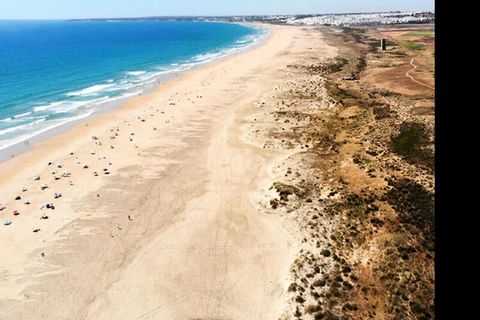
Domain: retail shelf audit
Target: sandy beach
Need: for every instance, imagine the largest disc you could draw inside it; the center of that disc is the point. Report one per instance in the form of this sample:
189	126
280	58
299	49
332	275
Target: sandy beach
155	205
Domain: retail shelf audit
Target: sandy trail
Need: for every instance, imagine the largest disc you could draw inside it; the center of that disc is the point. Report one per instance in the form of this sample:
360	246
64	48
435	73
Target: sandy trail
408	74
158	220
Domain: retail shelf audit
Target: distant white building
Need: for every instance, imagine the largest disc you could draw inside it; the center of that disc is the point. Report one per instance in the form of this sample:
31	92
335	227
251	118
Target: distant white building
363	19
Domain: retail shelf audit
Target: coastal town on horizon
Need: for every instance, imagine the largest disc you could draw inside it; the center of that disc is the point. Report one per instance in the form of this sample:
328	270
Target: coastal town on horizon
333	19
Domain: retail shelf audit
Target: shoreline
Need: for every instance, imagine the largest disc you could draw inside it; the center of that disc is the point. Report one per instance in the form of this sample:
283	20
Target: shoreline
50	133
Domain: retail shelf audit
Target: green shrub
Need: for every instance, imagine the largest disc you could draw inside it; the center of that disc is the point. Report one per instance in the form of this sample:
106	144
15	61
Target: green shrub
413	45
415	206
411	143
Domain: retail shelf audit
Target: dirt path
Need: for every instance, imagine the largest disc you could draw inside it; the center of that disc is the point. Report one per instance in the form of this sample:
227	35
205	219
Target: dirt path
412	78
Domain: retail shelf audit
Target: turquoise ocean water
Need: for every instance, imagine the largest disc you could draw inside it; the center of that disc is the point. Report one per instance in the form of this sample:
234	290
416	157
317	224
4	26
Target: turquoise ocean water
55	72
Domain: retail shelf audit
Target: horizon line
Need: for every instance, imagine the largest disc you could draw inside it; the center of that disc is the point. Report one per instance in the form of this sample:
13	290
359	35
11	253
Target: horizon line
209	16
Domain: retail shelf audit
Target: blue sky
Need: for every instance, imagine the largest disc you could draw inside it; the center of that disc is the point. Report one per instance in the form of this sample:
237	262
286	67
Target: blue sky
64	9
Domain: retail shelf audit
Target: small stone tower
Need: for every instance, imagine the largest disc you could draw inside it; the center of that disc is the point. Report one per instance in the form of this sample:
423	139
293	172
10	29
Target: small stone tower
383	44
